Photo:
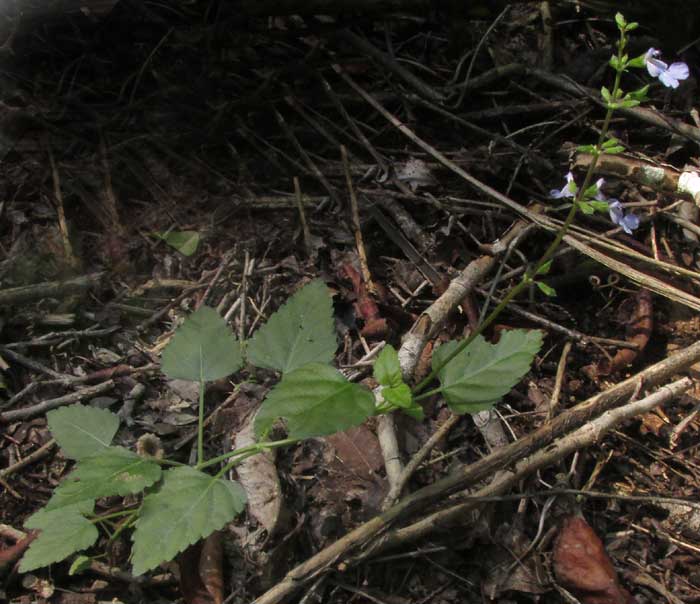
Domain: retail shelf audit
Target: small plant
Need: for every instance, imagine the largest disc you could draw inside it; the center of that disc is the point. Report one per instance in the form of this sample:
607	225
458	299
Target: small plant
180	504
171	505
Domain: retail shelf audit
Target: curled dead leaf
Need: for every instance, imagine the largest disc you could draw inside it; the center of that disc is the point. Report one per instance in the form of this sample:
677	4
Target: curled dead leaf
258	476
582	566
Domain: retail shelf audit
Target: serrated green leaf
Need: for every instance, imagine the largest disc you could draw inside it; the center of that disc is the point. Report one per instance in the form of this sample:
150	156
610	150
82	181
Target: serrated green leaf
482	373
185	242
399	396
315	400
45	517
387	370
82	431
547	290
189	506
300	332
202	347
71	532
79	565
116	471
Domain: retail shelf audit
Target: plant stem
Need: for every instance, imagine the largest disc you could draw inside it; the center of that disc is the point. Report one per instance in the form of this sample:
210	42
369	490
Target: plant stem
200	419
125	524
113	515
549	252
247	451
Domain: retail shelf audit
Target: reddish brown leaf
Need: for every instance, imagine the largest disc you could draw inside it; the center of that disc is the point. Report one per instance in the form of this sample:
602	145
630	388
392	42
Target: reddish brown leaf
10	555
639	328
201	571
211	567
365	306
582	566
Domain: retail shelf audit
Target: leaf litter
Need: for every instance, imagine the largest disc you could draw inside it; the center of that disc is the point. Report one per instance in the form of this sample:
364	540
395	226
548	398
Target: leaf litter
224	182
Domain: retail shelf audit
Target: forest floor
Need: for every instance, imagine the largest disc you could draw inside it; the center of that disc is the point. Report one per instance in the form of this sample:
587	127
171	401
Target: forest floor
155	157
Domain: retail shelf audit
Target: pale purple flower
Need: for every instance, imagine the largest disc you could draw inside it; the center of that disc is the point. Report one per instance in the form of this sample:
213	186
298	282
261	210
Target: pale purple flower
669	75
567	190
599	194
628	222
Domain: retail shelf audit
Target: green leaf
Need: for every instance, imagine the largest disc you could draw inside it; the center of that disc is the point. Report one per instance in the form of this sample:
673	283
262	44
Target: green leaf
640	94
203	348
387	370
69	533
82	431
544	269
46	517
614	150
586	207
189	506
185	242
116	471
547	290
79	565
639	61
620	20
611	142
482	373
587	149
401	397
590	192
628	103
315	400
615	62
599	206
605	93
632	26
300	332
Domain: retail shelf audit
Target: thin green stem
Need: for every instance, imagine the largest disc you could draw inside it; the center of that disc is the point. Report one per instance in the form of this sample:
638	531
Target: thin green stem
549	252
127	522
427	394
200	421
247	451
113	515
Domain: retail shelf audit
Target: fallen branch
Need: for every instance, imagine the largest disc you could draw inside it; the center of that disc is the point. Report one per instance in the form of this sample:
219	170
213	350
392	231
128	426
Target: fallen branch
50	289
500	459
54	403
585	436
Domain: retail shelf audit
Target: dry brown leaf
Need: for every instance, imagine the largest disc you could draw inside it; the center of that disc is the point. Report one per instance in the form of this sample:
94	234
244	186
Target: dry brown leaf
583	567
258	476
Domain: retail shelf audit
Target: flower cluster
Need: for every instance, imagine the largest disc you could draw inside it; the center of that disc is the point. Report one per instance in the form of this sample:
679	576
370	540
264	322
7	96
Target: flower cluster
669	75
628	222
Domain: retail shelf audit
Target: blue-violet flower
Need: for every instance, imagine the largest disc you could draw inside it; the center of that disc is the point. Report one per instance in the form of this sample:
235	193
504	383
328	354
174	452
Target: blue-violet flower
628	222
669	75
568	190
